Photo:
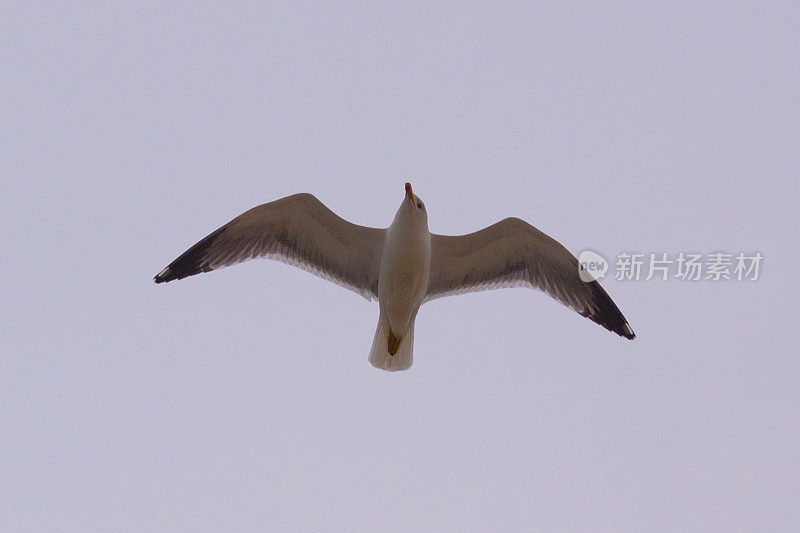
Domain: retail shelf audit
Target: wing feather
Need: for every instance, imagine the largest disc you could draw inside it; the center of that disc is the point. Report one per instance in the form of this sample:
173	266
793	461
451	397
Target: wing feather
298	230
512	253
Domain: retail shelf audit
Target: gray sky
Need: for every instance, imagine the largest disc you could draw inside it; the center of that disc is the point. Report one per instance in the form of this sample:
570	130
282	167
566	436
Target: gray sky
243	399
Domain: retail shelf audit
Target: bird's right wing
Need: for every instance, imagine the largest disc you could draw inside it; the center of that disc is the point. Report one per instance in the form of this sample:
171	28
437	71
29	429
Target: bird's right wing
298	230
512	253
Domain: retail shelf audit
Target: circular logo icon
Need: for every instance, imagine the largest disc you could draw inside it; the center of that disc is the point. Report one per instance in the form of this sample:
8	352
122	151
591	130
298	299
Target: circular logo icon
591	266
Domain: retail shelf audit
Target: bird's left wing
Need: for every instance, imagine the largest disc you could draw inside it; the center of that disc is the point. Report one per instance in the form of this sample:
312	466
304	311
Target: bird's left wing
512	253
298	230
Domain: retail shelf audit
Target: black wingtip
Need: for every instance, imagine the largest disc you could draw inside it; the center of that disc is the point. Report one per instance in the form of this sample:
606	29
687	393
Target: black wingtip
191	262
627	332
163	276
608	315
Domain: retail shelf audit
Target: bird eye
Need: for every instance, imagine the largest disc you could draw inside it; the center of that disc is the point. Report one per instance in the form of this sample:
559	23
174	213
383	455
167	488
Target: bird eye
419	205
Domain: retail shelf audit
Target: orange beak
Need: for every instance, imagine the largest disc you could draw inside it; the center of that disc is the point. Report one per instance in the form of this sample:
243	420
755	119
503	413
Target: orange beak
409	193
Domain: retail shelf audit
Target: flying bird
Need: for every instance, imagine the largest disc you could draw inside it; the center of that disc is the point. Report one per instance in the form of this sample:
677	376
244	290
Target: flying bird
402	266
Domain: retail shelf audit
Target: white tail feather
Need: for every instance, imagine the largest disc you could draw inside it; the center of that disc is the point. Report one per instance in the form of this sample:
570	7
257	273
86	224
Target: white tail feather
379	356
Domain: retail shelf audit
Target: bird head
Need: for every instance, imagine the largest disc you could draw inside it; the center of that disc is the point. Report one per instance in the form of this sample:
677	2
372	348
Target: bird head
412	210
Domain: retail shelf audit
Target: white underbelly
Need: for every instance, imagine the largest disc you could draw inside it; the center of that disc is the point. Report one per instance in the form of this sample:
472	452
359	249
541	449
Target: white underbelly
402	289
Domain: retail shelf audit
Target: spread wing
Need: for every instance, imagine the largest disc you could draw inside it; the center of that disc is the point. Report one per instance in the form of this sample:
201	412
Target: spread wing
298	230
512	253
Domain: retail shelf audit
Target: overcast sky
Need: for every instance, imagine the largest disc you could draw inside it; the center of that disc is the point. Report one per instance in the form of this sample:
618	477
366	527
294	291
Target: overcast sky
243	399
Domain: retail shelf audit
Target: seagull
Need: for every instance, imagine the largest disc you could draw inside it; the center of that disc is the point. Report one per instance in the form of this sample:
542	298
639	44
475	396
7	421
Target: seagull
402	266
